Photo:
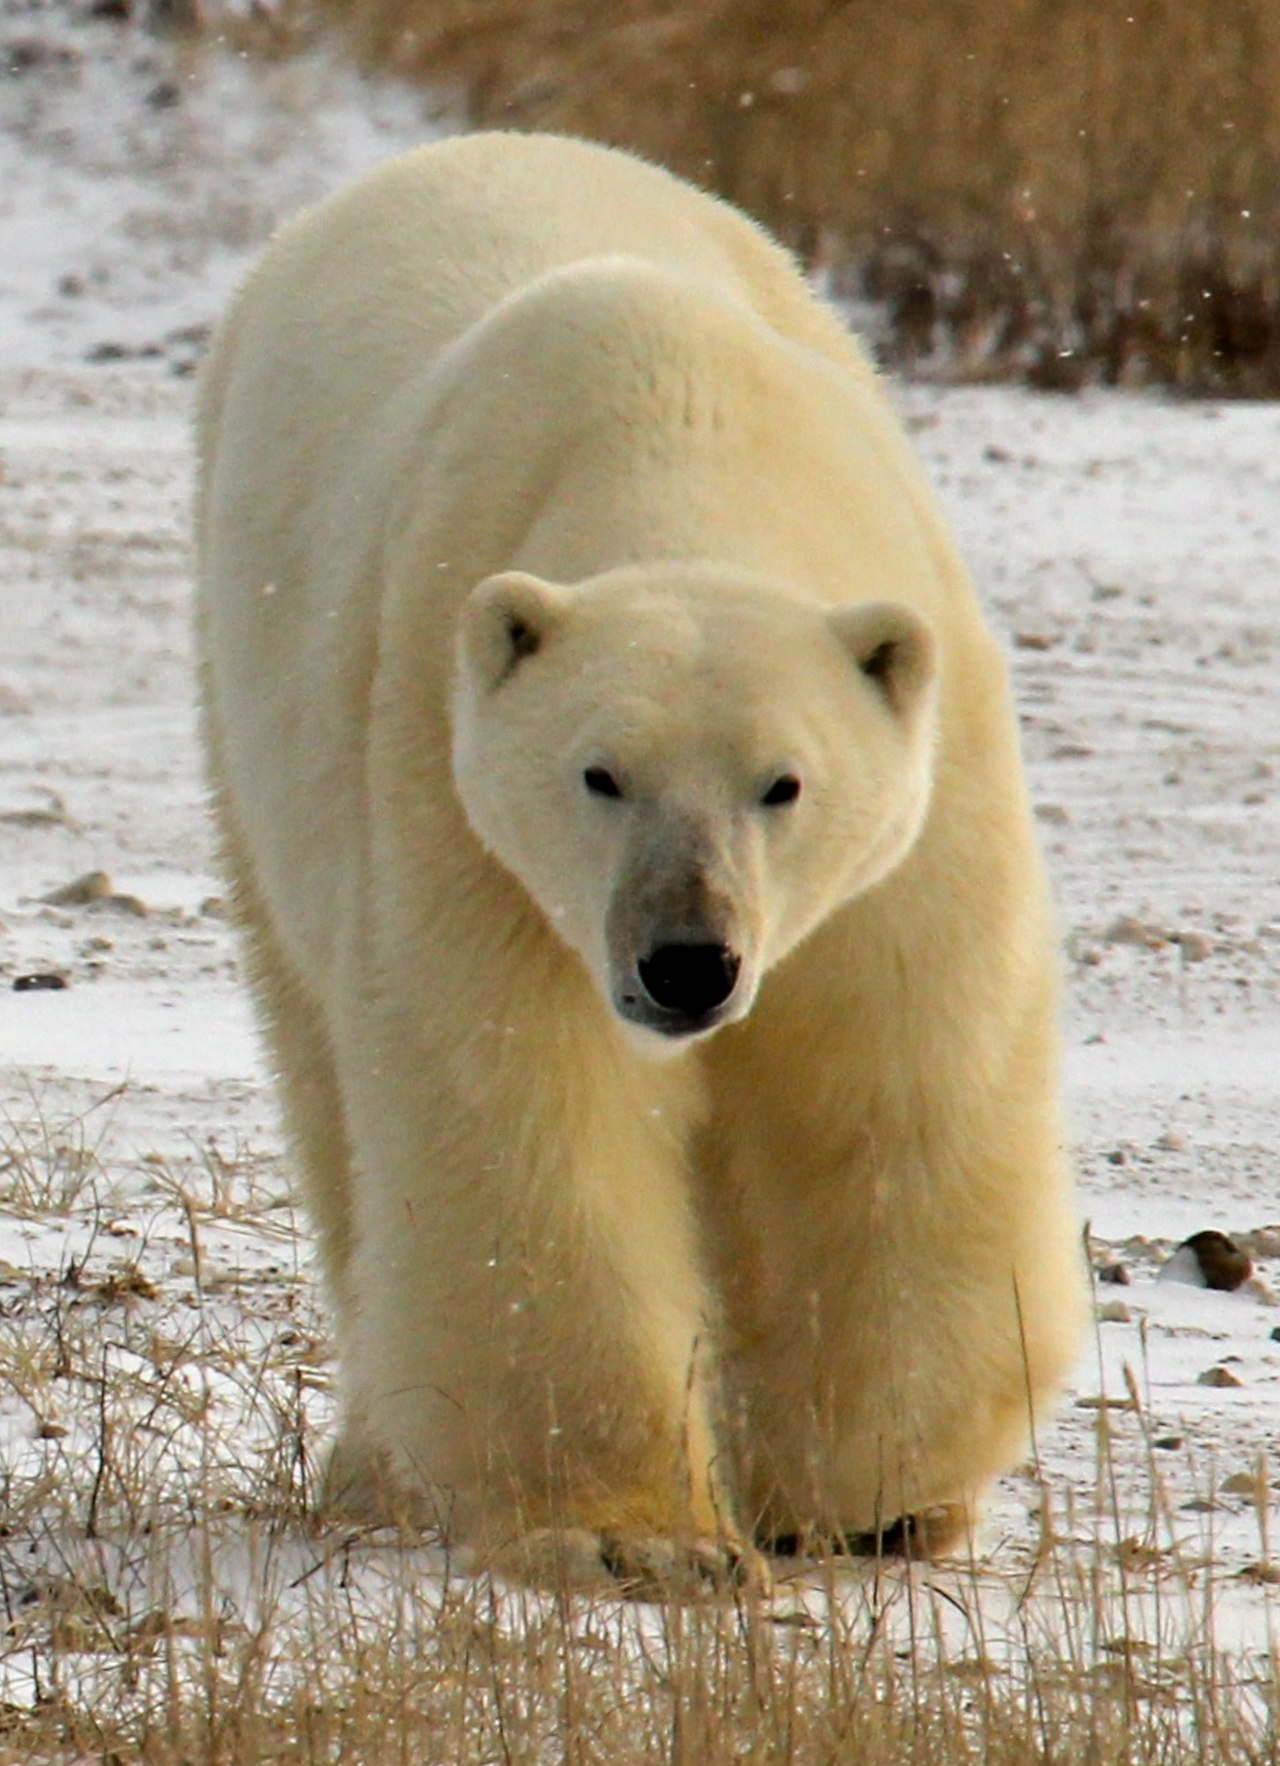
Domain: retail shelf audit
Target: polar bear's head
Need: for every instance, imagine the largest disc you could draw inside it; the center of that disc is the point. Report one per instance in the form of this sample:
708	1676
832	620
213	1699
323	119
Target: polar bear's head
688	771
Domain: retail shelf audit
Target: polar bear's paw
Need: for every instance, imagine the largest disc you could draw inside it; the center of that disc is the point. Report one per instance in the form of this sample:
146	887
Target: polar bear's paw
637	1565
938	1532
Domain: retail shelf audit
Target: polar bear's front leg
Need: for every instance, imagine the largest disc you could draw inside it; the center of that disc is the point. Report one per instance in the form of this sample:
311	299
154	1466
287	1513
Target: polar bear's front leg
533	1349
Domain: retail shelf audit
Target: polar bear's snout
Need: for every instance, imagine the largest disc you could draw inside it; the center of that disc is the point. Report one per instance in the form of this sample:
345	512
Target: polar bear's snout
680	946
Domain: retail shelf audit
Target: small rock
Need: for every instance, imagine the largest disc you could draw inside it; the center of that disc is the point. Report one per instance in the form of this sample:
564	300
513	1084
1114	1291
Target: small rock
127	904
94	889
1263	1241
1275	1335
1195	947
1114	1312
191	337
1219	1376
1116	1274
1168	1443
40	981
1239	1484
1036	640
214	907
1054	814
25	53
48	1430
1117	1156
179	18
1127	929
93	886
1208	1260
1171	1141
55	817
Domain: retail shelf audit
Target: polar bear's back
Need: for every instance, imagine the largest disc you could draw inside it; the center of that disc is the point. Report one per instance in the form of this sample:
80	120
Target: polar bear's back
376	281
383	276
403	262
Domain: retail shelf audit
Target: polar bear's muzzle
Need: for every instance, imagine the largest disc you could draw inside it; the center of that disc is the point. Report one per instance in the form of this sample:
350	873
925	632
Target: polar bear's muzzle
682	970
680	945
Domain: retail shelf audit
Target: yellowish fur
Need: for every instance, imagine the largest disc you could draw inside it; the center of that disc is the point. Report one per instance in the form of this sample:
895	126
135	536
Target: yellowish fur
522	458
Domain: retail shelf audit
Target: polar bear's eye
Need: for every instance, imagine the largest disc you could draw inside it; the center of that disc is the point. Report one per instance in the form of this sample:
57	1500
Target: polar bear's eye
784	789
601	783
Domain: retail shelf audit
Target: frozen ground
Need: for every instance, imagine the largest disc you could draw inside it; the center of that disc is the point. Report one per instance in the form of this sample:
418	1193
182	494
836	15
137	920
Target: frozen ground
1129	550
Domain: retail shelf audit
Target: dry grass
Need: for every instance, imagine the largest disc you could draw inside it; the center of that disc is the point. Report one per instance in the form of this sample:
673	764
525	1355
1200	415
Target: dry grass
168	1599
1055	188
220	1638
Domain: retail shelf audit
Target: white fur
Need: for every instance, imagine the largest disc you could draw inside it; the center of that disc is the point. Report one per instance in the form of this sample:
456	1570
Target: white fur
522	458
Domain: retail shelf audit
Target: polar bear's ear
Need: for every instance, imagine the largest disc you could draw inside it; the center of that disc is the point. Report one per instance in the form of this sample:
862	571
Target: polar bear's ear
505	619
893	646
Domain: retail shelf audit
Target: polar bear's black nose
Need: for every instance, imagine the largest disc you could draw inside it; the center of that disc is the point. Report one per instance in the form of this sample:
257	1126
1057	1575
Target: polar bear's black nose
692	979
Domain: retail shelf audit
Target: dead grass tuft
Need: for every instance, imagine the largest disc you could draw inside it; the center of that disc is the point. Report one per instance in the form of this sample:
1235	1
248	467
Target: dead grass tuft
1057	189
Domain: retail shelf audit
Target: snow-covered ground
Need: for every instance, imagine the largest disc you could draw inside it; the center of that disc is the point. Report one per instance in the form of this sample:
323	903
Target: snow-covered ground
1127	547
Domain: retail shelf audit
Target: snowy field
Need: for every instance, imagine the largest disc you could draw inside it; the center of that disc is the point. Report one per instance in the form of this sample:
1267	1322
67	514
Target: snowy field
158	1319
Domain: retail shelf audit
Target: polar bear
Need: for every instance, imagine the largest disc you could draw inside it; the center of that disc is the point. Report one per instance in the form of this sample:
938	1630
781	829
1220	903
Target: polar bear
622	802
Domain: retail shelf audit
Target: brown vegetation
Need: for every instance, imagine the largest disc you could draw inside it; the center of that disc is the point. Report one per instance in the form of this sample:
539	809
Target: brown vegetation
1064	189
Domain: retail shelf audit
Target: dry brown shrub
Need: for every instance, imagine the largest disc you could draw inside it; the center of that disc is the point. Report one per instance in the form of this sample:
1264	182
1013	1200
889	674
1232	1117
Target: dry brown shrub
1060	188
